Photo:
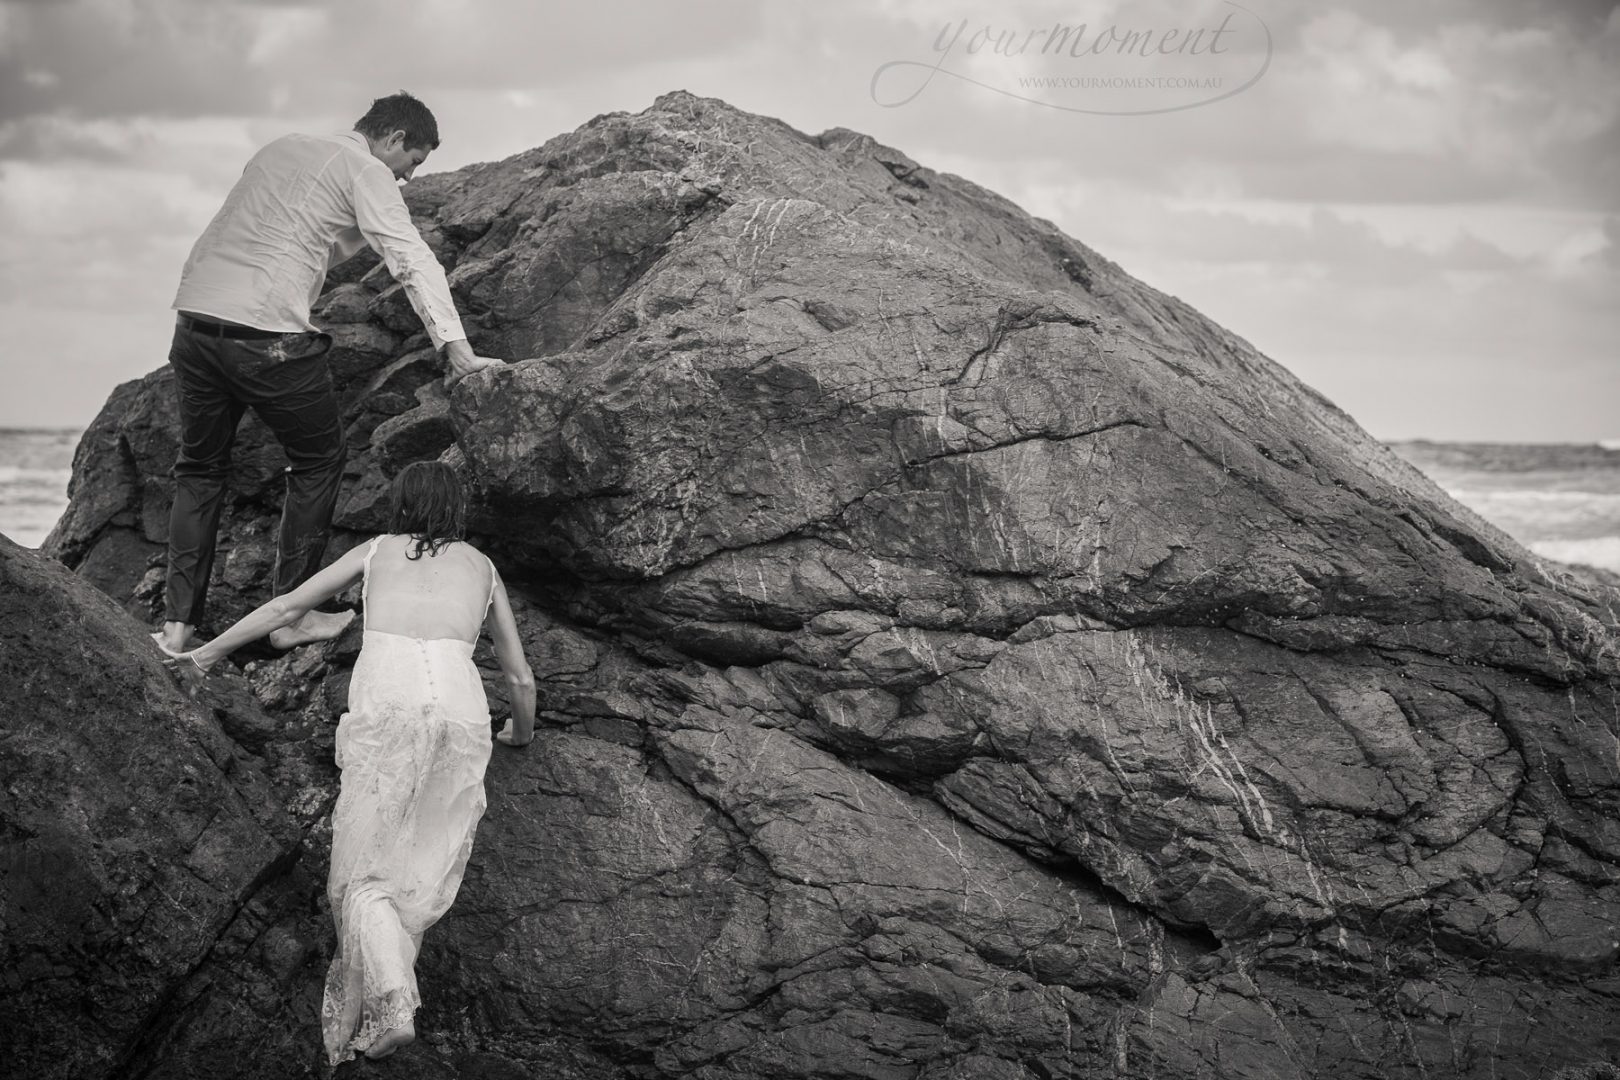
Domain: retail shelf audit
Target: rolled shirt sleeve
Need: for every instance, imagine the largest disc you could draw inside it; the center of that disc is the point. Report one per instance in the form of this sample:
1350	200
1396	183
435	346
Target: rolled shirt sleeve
385	223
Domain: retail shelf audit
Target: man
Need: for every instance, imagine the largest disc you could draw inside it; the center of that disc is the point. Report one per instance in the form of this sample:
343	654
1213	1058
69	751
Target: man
244	339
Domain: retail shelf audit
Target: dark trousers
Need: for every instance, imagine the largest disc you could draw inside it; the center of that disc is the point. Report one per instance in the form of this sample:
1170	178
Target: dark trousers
286	382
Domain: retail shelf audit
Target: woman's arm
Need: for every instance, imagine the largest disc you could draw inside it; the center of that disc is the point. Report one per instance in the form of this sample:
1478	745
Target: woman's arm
519	729
283	610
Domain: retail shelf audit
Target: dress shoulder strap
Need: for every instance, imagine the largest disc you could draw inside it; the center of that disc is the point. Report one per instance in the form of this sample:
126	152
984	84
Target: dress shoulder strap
493	578
365	579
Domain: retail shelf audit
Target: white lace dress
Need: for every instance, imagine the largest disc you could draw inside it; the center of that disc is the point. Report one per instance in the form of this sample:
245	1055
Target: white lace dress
412	749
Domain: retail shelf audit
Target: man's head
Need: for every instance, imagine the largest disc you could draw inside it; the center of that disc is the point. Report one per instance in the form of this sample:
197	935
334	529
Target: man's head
400	131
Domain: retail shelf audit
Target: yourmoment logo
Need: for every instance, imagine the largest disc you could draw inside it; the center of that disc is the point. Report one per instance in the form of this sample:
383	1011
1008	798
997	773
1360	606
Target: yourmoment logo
1111	69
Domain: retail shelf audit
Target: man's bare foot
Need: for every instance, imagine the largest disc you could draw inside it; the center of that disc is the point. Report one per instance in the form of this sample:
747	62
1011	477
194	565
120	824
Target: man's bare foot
314	626
175	637
392	1040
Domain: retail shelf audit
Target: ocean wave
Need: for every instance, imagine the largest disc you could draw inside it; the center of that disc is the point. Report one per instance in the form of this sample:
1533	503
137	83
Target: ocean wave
1474	496
1601	551
35	469
23	476
39	451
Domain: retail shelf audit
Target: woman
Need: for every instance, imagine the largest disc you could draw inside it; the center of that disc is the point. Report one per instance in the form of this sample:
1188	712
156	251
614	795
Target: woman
412	747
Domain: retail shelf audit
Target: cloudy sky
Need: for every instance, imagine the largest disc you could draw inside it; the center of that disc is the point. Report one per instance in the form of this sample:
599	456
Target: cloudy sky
1415	206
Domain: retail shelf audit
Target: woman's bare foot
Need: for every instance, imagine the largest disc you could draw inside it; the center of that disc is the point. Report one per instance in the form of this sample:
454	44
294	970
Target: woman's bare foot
314	626
392	1040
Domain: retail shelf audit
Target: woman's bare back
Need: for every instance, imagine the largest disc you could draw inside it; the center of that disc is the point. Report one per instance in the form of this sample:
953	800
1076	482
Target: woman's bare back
433	596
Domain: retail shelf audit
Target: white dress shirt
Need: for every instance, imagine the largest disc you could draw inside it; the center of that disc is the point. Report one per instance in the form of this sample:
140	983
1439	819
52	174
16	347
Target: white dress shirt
304	204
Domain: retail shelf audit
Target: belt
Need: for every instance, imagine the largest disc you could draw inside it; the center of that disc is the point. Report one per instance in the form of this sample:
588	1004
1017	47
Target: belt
221	330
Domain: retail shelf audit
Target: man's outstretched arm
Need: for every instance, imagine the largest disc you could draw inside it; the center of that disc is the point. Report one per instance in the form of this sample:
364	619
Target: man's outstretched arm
385	222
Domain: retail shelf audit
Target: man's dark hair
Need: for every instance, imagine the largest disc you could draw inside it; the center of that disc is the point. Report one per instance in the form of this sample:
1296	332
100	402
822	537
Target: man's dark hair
400	112
428	504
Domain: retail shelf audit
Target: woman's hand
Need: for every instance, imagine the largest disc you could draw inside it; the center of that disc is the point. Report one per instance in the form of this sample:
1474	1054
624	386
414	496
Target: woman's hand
506	736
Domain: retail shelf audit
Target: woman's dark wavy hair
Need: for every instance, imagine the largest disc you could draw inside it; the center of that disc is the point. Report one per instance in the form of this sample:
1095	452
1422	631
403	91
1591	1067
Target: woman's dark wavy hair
429	504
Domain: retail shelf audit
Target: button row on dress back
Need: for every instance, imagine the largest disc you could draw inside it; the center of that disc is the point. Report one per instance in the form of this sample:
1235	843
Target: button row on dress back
432	688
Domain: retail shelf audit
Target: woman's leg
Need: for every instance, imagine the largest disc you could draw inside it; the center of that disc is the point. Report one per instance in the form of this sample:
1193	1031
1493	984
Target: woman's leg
371	987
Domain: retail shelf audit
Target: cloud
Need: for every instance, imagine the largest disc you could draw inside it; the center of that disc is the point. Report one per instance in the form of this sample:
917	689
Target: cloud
95	237
1367	101
206	149
1485	105
176	58
1143	232
115	58
1468	252
458	43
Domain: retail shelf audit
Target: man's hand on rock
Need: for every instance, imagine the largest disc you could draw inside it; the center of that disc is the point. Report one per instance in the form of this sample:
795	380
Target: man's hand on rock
461	361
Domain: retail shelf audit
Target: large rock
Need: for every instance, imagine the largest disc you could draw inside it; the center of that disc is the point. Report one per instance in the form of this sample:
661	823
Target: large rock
139	842
958	659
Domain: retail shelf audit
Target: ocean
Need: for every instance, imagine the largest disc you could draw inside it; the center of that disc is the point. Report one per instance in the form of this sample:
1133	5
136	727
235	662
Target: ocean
35	466
1561	500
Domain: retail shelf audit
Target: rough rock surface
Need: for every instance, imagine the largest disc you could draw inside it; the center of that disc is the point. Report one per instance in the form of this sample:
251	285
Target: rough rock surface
959	660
